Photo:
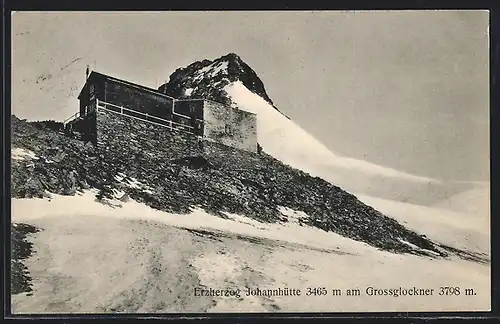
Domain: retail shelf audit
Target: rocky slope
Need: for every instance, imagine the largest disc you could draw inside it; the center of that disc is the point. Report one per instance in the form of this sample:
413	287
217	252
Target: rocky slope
171	172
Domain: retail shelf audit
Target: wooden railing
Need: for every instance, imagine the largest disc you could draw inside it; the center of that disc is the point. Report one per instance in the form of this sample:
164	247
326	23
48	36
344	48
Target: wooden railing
145	117
71	118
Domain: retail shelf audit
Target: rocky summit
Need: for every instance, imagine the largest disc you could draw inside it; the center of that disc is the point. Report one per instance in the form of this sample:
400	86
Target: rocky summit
207	78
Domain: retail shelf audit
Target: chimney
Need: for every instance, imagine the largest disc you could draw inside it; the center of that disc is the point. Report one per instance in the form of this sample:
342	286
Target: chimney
87	73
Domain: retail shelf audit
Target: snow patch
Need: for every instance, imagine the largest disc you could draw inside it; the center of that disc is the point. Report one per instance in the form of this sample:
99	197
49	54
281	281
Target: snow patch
293	215
117	194
201	72
188	91
211	70
418	248
132	182
220	67
120	176
23	154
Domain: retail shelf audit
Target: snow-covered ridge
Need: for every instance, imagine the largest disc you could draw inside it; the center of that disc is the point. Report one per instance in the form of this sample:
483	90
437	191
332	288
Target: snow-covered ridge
286	141
475	201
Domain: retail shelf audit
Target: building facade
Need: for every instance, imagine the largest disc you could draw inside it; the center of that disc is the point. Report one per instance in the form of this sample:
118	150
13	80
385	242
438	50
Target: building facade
203	118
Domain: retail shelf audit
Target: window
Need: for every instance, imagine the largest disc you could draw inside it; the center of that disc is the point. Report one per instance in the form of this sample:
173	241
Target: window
92	92
228	130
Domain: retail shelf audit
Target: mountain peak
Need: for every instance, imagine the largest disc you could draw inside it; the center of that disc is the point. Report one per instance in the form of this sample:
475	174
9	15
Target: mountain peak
206	79
232	57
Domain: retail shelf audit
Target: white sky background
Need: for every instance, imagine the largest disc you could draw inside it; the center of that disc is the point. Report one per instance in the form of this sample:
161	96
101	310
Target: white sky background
404	89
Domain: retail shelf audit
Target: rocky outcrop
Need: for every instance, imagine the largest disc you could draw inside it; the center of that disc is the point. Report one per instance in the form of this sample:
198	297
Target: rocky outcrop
60	165
21	250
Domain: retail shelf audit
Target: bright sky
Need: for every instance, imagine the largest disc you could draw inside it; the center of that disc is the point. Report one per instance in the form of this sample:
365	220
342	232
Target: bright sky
404	89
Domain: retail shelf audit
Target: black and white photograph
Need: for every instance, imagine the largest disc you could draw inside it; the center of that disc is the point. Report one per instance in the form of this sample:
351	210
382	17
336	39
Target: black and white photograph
250	161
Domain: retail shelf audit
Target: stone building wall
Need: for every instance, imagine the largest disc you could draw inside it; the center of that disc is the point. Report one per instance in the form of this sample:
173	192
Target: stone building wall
125	138
223	124
230	126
